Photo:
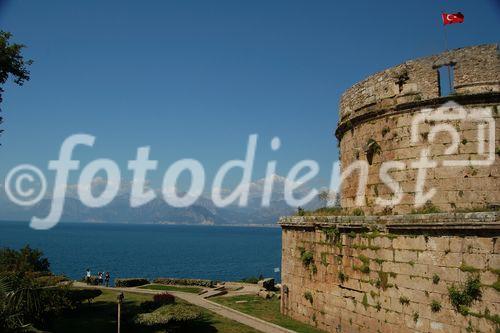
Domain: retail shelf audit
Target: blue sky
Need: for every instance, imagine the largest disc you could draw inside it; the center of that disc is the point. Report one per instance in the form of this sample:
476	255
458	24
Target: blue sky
193	79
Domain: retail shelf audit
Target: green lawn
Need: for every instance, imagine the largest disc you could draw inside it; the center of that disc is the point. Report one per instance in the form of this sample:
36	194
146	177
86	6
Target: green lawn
100	316
268	310
194	290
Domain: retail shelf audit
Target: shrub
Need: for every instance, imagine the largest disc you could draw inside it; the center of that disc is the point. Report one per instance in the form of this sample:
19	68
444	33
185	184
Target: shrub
132	282
24	260
404	300
94	281
78	296
164	298
50	280
186	282
435	279
168	314
252	279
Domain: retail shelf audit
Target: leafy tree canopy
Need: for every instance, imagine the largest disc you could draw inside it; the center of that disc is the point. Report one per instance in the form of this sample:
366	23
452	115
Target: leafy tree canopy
24	260
12	63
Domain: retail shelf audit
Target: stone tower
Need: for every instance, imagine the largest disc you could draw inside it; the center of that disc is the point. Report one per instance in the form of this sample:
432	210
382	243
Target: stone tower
379	111
406	258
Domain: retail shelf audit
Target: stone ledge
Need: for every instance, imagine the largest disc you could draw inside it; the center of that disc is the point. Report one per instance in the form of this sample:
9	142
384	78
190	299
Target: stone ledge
485	221
372	111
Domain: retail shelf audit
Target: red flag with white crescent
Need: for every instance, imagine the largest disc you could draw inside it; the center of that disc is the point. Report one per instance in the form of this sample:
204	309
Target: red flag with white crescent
452	18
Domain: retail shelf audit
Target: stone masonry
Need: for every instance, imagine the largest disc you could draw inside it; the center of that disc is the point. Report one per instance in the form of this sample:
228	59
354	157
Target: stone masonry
404	268
380	110
383	274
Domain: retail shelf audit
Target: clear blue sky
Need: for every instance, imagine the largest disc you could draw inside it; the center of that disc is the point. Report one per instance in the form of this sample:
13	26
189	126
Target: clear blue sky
195	78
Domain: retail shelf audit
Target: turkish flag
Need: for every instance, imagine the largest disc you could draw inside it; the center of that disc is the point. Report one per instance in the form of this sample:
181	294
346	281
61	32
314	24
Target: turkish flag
452	18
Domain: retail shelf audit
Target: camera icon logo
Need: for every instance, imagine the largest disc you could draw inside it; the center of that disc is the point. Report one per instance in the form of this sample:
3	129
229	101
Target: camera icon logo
455	121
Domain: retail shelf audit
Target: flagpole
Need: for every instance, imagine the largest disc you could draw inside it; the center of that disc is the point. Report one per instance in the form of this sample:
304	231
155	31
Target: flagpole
446	50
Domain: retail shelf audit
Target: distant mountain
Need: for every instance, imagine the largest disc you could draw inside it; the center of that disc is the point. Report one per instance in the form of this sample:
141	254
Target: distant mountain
203	212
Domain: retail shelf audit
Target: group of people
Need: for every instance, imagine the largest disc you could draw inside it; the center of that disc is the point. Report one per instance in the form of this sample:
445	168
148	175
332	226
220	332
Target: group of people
102	278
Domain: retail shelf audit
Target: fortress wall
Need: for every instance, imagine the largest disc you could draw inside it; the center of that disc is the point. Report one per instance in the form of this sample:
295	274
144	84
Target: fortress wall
363	280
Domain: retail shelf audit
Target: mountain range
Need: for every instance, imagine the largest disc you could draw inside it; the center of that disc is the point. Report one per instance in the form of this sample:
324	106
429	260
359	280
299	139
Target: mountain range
157	211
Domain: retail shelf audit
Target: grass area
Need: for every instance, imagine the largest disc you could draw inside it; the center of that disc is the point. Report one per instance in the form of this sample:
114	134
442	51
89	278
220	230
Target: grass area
100	316
268	310
193	290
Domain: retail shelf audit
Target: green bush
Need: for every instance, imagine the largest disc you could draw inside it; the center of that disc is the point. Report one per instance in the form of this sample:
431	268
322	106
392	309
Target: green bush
252	279
186	282
132	282
50	280
94	281
24	260
169	314
78	296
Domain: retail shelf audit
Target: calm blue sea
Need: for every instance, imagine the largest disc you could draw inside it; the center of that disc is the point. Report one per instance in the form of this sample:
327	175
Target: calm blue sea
220	253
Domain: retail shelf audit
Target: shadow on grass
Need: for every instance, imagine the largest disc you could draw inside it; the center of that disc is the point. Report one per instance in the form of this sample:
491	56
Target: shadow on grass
100	316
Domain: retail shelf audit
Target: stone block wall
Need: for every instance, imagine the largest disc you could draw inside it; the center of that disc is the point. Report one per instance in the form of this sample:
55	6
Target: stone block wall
458	187
380	110
414	273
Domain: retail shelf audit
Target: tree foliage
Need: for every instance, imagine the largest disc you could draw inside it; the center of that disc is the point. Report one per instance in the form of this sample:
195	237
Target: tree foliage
12	64
24	260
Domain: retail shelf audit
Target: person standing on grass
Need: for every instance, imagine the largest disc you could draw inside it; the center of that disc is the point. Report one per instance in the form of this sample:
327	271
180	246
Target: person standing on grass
106	279
87	277
99	279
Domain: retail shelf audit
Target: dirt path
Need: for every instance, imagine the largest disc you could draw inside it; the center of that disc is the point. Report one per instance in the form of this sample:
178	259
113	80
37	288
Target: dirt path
198	300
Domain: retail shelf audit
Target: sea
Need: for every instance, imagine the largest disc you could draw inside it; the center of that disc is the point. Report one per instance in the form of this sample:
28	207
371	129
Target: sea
151	251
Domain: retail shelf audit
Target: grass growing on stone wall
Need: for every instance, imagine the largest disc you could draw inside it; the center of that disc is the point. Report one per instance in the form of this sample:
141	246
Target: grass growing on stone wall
496	285
307	257
467	268
342	277
404	300
365	267
308	296
324	259
358	212
461	297
365	301
428	208
435	306
382	281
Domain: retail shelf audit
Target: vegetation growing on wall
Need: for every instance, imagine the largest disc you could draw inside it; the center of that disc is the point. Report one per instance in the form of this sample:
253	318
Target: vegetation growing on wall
461	297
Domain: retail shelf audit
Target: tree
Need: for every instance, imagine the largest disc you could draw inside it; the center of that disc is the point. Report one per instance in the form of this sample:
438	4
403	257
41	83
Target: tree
24	260
12	64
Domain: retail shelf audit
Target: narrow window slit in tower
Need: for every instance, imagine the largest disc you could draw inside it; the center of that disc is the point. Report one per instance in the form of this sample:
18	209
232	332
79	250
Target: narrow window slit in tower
445	79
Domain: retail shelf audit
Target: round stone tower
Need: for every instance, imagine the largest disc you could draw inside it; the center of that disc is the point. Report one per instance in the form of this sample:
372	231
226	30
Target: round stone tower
444	107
